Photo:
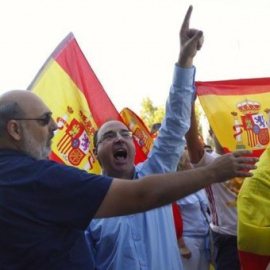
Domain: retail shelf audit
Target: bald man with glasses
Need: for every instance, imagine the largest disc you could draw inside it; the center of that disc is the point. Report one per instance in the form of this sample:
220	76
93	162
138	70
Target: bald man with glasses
146	240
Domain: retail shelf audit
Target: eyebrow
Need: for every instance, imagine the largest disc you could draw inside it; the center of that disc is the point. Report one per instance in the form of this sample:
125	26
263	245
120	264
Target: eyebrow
112	131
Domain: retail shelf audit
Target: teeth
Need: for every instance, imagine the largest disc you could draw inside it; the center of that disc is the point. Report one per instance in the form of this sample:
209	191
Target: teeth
119	150
120	158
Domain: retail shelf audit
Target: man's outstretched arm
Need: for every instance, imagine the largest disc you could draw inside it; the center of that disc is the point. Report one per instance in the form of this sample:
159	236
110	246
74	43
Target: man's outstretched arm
127	197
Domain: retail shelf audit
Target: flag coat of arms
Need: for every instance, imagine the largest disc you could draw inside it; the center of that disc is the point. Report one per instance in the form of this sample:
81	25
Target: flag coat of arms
80	105
238	111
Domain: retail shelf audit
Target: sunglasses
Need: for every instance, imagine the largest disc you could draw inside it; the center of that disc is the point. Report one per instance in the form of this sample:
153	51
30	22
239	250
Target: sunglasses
43	121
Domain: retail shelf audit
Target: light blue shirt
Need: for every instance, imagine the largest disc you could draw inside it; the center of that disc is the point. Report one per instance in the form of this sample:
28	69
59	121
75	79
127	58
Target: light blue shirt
194	213
147	241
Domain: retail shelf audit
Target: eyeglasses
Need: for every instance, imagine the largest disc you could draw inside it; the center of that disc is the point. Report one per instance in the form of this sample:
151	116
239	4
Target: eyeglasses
43	121
111	135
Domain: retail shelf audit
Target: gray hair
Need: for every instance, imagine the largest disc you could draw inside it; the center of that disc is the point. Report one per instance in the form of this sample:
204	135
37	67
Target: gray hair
9	111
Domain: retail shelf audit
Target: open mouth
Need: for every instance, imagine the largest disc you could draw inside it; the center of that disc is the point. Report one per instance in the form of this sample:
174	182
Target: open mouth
120	154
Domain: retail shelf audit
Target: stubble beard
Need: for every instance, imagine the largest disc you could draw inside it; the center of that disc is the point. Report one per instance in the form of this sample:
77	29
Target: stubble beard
33	148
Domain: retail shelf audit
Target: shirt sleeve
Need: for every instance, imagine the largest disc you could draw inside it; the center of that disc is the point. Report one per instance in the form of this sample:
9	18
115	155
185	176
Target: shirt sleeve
169	144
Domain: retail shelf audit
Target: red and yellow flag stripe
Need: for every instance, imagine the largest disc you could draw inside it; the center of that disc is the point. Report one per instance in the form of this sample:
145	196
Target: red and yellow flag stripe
70	88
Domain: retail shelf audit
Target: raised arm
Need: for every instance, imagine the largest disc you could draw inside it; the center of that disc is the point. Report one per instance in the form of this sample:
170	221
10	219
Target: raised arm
194	144
170	142
191	41
127	197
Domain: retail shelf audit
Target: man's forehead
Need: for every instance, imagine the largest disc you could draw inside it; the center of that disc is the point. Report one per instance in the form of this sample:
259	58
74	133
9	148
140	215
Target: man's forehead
111	125
24	99
38	107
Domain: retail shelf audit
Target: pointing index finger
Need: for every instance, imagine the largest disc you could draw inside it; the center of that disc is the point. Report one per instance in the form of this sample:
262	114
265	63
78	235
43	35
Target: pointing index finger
185	24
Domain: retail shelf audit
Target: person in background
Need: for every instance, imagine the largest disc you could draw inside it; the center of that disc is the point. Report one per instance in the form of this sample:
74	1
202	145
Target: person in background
222	200
208	148
195	248
154	130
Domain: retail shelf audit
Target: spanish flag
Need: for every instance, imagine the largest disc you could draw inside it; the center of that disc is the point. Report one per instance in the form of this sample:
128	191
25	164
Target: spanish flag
141	133
70	88
238	111
80	105
254	217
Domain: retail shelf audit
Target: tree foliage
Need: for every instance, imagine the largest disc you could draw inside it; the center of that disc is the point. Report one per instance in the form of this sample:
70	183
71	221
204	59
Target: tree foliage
151	114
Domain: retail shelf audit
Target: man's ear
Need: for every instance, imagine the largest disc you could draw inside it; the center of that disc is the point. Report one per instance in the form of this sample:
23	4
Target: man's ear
14	130
96	155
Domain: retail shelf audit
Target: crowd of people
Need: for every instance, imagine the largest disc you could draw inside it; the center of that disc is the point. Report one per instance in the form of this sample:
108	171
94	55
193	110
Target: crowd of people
54	216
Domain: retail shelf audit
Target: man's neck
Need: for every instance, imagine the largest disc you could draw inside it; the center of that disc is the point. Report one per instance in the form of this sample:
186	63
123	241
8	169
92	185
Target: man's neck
119	174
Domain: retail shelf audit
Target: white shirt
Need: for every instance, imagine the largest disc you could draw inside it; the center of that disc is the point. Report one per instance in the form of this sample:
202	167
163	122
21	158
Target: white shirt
222	200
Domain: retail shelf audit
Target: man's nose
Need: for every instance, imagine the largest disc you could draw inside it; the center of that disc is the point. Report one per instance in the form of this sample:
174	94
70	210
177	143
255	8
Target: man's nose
53	125
118	136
